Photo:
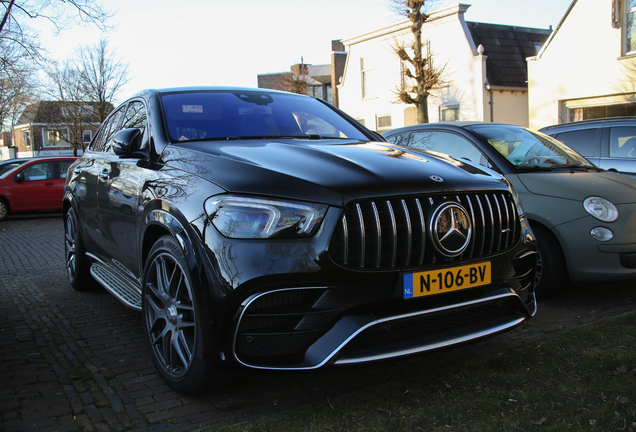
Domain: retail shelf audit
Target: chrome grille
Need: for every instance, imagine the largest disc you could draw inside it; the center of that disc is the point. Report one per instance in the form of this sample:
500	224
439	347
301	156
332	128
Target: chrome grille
393	233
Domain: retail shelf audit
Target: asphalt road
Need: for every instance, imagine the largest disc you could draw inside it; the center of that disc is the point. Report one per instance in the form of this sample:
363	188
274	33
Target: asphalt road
78	361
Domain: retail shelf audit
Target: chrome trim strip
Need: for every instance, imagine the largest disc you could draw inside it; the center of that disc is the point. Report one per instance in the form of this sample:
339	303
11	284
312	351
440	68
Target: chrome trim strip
363	237
345	240
378	240
395	234
422	231
409	229
381	321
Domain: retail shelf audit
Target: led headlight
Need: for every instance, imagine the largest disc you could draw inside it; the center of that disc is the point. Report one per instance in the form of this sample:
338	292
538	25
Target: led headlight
252	218
601	209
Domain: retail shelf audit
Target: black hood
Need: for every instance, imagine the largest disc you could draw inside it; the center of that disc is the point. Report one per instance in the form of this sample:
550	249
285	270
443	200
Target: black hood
332	172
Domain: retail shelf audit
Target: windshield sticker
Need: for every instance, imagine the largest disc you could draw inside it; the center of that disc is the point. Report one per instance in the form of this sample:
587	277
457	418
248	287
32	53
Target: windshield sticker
192	108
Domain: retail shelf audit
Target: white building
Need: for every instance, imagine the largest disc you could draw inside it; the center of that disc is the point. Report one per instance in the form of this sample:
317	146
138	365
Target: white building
485	64
587	68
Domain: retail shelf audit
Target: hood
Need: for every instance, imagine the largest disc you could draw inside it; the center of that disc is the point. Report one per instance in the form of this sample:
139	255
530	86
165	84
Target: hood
618	188
328	171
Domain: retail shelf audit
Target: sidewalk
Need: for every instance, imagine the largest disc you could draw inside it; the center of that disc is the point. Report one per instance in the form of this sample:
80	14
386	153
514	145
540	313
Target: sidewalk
78	361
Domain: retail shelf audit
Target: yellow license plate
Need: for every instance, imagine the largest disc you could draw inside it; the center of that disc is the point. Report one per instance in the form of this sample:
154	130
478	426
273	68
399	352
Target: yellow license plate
446	280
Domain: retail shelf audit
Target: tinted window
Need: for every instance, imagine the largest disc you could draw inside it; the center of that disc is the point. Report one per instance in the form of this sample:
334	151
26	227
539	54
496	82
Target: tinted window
64	167
623	142
586	141
108	129
447	143
251	114
135	116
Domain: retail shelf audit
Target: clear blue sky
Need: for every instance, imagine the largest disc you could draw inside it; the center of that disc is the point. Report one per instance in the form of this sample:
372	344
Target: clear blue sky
221	42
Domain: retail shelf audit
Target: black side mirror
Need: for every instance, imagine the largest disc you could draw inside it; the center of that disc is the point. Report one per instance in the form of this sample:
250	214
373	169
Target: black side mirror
127	143
19	177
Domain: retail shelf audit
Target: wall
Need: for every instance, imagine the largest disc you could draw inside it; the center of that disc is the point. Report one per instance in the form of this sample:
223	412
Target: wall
451	44
581	64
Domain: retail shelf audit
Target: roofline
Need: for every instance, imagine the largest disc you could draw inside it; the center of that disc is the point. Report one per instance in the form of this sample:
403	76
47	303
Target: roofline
554	32
403	25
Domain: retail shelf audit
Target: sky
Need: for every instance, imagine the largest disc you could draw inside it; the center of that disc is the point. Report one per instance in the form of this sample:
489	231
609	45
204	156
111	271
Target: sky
230	42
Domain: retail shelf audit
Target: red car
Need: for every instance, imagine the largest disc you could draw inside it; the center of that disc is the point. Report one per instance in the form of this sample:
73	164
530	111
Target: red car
37	184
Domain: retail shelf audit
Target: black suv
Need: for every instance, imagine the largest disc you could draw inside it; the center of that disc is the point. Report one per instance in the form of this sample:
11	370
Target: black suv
609	143
270	230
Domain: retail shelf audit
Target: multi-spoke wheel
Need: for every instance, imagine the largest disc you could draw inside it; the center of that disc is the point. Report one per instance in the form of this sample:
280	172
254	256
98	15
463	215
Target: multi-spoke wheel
172	321
77	263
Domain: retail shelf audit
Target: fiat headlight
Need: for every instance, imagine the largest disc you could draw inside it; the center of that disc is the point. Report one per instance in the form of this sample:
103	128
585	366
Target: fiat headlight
253	218
601	209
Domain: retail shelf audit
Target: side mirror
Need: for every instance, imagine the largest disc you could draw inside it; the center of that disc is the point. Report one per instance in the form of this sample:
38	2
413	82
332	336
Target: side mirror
19	177
127	143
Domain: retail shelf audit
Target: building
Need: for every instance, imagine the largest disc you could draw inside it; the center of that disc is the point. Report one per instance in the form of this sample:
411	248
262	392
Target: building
485	74
46	128
587	68
321	80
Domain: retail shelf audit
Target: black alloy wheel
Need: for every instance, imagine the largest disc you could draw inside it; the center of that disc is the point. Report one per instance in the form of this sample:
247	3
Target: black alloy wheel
171	319
77	263
551	269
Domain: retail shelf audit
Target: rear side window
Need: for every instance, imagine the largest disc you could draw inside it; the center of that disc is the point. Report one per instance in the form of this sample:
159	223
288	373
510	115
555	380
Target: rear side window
586	142
623	142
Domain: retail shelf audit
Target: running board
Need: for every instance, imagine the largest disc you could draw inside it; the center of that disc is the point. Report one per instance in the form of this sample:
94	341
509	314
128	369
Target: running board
125	291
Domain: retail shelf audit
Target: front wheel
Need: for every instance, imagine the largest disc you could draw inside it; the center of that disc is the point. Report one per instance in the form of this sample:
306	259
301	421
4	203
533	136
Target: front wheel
551	269
77	263
4	209
172	320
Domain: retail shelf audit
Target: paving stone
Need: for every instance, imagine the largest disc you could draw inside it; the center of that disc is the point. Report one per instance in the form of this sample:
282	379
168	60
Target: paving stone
79	360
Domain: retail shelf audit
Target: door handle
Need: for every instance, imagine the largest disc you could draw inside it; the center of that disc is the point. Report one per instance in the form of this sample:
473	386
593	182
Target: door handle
48	184
104	175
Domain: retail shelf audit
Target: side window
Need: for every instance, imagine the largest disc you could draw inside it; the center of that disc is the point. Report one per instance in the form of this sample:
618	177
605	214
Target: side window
587	142
448	143
623	142
399	139
135	116
108	129
64	167
38	171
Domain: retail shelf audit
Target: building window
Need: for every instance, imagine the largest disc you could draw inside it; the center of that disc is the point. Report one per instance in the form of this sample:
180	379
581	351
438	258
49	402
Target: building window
55	137
26	134
87	136
602	111
449	113
629	32
369	87
383	123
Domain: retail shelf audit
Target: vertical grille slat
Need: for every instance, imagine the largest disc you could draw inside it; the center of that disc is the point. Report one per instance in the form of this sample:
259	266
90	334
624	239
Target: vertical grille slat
392	233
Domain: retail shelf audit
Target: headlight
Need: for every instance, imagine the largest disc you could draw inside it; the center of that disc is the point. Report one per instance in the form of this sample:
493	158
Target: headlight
601	209
251	218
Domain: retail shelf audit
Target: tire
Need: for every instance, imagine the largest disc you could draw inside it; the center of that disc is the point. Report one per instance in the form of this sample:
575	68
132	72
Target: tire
551	269
4	209
77	263
173	320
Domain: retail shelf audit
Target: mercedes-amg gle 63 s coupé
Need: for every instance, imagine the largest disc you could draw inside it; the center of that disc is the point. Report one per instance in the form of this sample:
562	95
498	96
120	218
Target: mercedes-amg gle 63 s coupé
270	230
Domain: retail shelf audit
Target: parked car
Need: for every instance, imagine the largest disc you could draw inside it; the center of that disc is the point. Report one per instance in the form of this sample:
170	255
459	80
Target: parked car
609	143
582	216
33	185
10	164
269	230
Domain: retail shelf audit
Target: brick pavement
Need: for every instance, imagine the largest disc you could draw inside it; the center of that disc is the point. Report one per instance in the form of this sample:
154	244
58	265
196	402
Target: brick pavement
78	361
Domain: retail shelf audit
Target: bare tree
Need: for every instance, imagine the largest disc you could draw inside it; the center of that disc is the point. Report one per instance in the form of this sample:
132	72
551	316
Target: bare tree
419	76
17	85
102	75
70	114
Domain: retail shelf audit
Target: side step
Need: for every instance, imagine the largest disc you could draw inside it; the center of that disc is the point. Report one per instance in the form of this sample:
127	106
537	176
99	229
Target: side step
125	291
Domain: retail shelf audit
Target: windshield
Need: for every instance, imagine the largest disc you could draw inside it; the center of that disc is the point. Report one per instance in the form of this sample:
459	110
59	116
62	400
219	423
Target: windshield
7	167
526	149
234	114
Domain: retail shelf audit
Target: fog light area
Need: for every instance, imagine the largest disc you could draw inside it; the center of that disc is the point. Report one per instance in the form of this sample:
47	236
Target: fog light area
602	234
